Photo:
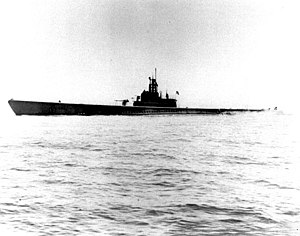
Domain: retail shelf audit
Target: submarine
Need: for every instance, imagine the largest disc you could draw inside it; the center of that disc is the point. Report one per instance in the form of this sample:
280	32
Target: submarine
150	102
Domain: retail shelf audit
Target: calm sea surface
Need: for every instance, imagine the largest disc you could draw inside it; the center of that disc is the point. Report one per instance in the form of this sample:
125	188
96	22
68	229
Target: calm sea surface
150	175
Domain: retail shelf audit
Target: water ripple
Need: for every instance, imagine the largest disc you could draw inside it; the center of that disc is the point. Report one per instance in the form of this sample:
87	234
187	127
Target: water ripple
166	175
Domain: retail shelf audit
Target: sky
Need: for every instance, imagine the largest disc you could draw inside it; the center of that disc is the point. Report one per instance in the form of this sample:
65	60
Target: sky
221	53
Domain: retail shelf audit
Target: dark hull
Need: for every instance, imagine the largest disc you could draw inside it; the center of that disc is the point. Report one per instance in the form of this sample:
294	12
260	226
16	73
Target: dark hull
51	108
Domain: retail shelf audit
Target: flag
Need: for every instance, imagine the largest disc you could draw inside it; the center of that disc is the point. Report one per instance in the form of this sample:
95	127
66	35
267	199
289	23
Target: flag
177	92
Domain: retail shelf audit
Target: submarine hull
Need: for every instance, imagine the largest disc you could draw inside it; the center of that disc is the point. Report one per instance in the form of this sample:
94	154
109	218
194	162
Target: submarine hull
53	109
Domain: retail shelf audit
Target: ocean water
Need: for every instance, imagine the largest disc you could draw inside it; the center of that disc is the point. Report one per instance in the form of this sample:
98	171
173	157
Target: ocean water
150	175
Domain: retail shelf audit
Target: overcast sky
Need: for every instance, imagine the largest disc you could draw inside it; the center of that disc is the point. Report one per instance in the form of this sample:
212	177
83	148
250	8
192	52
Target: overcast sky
218	53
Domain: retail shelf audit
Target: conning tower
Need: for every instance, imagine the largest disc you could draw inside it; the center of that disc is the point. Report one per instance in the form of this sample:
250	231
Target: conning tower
153	98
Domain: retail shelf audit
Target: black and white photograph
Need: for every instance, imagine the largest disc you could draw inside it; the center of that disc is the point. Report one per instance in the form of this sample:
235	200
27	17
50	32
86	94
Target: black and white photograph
149	118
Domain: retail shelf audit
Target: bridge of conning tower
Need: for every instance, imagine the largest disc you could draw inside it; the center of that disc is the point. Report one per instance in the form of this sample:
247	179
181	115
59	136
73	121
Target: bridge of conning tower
152	97
153	85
